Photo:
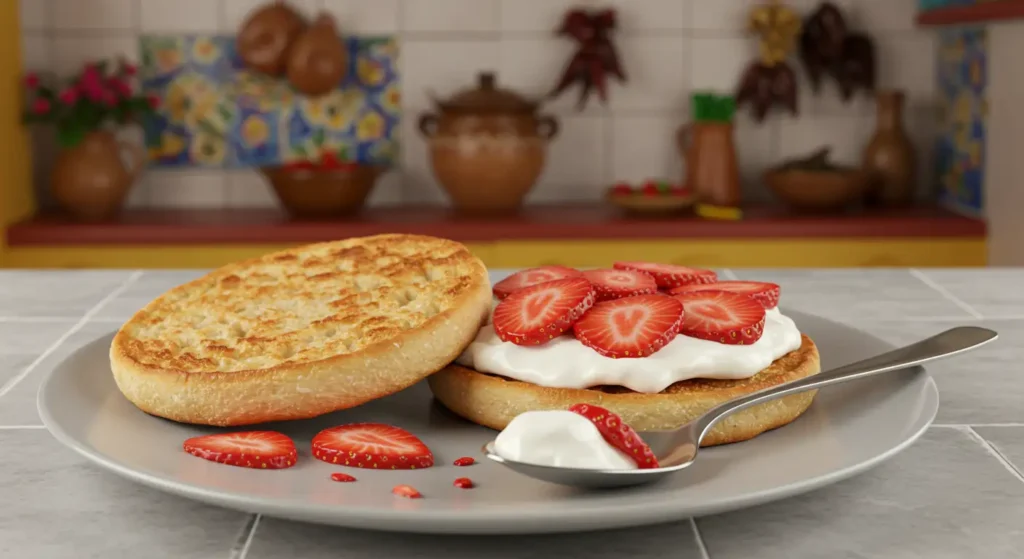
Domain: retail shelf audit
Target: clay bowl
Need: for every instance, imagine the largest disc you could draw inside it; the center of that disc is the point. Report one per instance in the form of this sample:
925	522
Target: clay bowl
642	204
319	193
810	190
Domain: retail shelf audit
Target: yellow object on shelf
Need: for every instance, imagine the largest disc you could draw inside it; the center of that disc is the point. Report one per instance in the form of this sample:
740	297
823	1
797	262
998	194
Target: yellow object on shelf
708	211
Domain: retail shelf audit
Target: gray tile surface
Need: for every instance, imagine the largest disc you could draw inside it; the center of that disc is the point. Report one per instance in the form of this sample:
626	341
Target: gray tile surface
56	506
22	342
857	293
147	287
278	538
984	386
1008	441
18	407
940	499
995	293
63	293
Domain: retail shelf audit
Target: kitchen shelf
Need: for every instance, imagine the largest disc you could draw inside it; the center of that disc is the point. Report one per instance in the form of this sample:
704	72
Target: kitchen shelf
983	12
218	227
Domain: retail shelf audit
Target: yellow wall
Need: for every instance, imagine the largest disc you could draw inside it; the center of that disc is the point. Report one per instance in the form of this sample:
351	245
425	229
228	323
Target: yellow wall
16	196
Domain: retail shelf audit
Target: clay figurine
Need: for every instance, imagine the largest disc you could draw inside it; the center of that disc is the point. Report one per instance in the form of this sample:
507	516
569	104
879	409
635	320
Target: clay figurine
318	59
266	37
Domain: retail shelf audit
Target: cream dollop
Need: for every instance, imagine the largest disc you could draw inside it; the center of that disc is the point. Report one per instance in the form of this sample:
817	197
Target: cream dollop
566	363
561	439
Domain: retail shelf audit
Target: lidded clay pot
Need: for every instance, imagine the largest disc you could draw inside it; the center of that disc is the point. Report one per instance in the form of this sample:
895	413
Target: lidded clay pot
267	36
488	146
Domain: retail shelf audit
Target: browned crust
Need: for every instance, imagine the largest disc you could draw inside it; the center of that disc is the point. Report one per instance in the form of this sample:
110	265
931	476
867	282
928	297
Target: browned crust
493	401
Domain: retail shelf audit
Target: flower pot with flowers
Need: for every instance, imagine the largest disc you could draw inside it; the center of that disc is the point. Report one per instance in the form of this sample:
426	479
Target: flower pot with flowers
91	177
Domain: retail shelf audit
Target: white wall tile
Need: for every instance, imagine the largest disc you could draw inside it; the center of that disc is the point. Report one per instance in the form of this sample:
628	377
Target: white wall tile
908	62
249	189
70	53
718	63
187	189
757	148
533	66
635	16
657	69
235	11
180	15
364	17
540	16
846	135
418	183
34	14
138	196
644	147
576	162
719	15
94	14
36	52
474	16
442	67
389	190
881	16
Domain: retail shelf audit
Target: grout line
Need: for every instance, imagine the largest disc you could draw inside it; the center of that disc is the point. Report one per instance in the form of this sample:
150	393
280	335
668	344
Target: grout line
700	539
39	319
973	425
6	388
20	427
945	292
241	551
995	453
729	274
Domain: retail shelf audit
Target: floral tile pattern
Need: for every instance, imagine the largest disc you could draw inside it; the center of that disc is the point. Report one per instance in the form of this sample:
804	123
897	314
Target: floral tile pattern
960	154
214	113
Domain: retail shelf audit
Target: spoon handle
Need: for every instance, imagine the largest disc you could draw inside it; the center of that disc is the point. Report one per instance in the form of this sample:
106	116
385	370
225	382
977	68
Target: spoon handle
948	343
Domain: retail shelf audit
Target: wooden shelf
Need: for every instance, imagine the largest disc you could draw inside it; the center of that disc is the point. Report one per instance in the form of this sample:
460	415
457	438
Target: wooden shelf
997	10
232	227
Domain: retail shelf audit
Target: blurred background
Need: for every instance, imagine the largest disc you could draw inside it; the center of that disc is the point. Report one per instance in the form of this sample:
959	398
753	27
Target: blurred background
718	133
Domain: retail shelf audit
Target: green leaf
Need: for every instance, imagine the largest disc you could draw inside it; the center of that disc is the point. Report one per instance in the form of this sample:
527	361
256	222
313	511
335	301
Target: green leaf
318	137
70	135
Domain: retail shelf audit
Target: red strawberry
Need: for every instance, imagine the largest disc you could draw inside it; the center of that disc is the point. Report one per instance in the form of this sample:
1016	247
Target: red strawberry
721	316
622	189
465	461
532	276
670	275
372	445
463	483
338	476
537	314
406	491
249	449
615	284
763	292
651	189
630	327
618	434
328	160
681	191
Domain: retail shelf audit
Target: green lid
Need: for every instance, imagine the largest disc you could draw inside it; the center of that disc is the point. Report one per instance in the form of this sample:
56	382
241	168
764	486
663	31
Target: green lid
710	107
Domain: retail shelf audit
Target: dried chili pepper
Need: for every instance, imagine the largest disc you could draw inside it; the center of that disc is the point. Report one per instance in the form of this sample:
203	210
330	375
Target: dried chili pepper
596	56
769	81
829	48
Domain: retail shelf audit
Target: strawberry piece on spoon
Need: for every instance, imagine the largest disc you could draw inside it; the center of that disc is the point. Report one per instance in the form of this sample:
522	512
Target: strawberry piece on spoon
618	434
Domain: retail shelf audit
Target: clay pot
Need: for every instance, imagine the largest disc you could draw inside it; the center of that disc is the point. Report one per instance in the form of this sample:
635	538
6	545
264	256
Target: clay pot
309	193
889	157
712	172
90	181
267	36
488	146
318	60
808	190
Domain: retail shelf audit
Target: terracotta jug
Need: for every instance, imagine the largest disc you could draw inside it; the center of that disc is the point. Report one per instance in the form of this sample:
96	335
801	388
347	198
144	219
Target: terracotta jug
889	157
318	59
267	36
712	171
90	181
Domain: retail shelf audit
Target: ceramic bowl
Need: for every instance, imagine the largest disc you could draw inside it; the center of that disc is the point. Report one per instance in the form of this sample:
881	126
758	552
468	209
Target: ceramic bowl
323	192
817	190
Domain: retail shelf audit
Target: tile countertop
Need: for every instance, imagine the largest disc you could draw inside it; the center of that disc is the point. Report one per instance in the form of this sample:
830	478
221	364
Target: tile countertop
958	492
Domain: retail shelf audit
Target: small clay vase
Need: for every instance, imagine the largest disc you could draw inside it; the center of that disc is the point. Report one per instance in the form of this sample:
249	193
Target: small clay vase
318	59
889	158
267	36
712	171
488	146
90	181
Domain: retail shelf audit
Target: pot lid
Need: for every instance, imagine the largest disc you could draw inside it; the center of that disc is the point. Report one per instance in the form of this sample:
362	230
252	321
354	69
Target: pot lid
487	97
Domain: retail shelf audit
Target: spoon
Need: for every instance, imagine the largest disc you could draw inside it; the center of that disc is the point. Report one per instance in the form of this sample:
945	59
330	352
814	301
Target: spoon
678	448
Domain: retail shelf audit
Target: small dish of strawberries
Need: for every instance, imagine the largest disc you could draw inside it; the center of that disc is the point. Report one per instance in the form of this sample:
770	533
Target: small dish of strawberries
651	197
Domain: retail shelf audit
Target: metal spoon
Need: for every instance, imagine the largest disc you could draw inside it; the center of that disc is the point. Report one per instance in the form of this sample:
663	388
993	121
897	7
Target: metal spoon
678	449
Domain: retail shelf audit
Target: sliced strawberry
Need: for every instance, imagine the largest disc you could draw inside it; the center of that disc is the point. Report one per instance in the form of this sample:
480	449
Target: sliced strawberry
407	491
342	477
267	450
670	275
610	283
630	327
532	276
721	316
618	434
372	445
535	315
763	292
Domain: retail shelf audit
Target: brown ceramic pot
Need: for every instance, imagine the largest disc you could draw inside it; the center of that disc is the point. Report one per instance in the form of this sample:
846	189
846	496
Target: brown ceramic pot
487	146
266	37
889	157
712	171
317	59
807	190
307	193
91	180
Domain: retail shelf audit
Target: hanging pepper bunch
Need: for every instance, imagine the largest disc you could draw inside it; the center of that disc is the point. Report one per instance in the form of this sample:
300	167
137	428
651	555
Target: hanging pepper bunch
596	57
769	80
829	48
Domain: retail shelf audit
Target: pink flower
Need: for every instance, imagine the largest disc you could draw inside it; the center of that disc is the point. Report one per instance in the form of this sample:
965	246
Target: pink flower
130	69
109	99
153	100
32	81
69	96
120	87
41	107
91	75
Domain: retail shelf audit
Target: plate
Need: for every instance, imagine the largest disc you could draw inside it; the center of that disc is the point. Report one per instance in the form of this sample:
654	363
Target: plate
848	429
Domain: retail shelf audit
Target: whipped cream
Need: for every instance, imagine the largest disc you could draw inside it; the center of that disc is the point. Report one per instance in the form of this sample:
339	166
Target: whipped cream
561	439
565	362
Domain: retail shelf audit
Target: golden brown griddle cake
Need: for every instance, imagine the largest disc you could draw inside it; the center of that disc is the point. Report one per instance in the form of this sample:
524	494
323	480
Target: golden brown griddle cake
303	332
493	401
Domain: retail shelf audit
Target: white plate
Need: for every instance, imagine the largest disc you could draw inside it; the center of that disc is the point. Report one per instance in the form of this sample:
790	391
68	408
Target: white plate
848	429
